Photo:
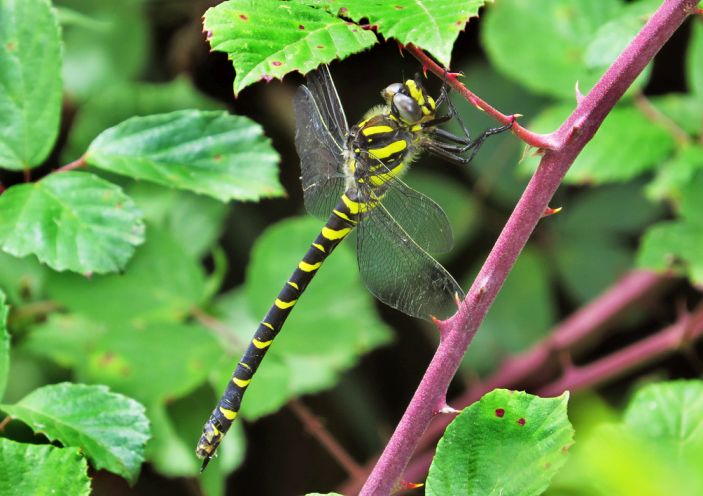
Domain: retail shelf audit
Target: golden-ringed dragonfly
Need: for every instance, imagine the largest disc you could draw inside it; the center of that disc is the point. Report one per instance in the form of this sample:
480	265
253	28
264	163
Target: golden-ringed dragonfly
352	177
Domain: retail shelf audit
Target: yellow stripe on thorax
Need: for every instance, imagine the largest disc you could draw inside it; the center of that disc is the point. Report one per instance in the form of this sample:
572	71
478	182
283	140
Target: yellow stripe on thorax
371	130
415	92
387	151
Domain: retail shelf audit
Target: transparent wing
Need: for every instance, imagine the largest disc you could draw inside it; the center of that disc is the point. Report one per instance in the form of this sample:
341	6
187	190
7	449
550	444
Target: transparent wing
419	216
321	130
399	272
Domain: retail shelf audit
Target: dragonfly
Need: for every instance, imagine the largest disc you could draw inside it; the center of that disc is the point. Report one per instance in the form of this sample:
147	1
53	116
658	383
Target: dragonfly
353	178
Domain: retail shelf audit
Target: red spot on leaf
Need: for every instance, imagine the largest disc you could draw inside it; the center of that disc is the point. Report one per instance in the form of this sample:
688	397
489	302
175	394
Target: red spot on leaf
277	63
343	10
267	77
118	206
208	35
521	421
218	157
301	27
459	23
243	17
107	358
500	412
398	7
10	46
320	46
125	371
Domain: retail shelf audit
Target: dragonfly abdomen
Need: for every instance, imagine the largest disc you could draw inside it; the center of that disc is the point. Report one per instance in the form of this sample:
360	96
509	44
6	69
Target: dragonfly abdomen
340	223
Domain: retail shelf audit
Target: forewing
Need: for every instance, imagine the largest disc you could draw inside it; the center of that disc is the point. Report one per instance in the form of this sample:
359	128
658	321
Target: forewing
399	272
320	142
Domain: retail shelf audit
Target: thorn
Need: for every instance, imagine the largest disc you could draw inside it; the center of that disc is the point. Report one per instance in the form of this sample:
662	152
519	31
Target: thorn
579	95
515	117
550	211
436	321
457	300
455	75
405	485
401	47
448	409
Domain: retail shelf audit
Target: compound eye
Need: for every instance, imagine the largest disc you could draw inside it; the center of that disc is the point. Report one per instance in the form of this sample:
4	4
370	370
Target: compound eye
407	108
390	91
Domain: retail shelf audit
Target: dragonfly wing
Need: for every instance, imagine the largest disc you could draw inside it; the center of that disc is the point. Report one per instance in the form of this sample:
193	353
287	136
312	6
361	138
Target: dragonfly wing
321	129
399	272
419	216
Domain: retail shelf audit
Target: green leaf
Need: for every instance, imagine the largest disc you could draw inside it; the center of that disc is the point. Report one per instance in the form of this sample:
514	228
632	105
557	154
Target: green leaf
119	101
4	346
268	39
106	42
110	429
506	443
626	145
543	43
675	174
71	221
22	279
670	413
694	55
208	152
41	470
306	356
30	64
162	283
673	245
194	221
432	25
154	363
522	314
614	36
685	110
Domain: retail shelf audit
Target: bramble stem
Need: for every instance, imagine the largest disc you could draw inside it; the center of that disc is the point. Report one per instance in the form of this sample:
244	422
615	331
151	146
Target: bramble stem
532	139
458	331
76	164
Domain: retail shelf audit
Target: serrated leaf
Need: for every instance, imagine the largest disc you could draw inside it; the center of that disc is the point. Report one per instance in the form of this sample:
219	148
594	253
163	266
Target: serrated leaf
432	25
694	55
162	283
542	43
41	470
626	145
306	356
673	245
267	39
119	101
522	313
207	152
110	429
4	345
30	78
506	443
71	221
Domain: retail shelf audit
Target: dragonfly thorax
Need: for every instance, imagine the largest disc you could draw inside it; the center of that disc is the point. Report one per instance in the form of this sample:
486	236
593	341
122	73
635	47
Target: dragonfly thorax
379	147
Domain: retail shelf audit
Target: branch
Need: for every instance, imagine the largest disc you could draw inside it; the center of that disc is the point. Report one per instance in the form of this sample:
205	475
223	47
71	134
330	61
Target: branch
532	139
76	164
584	325
458	331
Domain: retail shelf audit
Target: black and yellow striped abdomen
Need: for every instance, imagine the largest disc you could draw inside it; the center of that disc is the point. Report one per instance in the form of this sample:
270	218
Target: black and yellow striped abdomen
340	223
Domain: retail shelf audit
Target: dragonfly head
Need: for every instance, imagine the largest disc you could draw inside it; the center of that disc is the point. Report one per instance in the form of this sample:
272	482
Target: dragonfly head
409	102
